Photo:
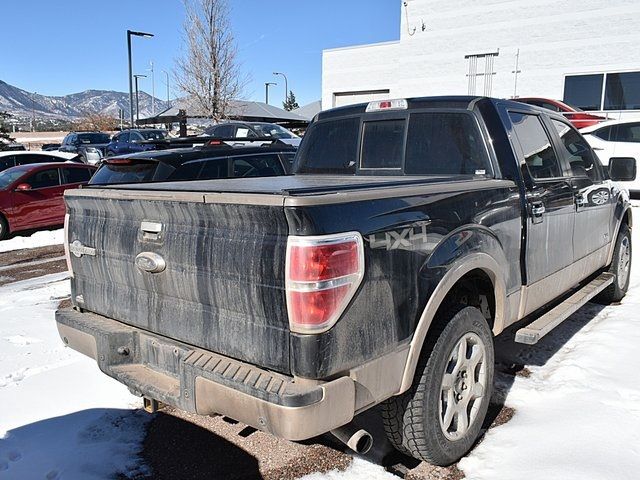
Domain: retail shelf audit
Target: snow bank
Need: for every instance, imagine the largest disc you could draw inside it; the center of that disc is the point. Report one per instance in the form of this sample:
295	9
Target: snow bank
578	414
359	469
37	239
60	417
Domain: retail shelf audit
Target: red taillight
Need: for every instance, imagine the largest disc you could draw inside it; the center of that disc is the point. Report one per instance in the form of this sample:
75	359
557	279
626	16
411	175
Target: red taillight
323	274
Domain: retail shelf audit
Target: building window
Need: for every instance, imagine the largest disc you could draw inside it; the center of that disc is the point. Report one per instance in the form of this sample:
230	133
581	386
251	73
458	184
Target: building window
623	91
481	70
603	91
584	91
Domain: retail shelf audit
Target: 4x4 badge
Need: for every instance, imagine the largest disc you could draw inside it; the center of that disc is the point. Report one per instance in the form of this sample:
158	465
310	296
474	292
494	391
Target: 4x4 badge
78	249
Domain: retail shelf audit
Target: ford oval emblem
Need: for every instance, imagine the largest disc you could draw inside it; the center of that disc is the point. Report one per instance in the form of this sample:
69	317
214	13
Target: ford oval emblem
150	262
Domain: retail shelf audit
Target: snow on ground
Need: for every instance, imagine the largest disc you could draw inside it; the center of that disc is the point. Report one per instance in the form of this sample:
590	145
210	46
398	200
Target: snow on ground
38	239
60	417
578	414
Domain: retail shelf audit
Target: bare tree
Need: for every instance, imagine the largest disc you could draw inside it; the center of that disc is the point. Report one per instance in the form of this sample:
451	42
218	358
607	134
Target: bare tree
209	72
96	121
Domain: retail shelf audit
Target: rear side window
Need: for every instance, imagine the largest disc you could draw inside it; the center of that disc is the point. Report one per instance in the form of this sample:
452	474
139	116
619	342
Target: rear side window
36	158
539	155
289	158
76	175
330	147
629	132
109	174
382	143
603	133
7	162
581	158
44	179
445	143
257	166
208	169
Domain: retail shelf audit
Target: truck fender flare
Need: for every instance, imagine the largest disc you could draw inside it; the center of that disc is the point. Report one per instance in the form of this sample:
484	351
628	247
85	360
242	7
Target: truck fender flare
612	246
472	261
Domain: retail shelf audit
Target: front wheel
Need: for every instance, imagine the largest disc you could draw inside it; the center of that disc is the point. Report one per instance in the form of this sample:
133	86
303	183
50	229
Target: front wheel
439	418
620	267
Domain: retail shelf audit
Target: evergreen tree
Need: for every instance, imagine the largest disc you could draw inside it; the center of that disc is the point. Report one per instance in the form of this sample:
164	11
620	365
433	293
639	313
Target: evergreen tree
290	103
4	129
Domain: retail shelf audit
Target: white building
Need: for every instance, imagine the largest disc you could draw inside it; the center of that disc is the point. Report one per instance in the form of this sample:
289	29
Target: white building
584	51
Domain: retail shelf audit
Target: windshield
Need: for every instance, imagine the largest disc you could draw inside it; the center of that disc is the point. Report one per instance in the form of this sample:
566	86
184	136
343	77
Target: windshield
272	130
7	177
91	138
153	134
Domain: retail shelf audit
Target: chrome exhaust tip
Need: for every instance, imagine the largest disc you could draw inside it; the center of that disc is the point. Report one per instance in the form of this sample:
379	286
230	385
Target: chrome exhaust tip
357	439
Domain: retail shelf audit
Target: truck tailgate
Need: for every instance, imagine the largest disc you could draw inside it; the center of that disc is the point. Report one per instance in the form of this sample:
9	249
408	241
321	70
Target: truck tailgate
223	286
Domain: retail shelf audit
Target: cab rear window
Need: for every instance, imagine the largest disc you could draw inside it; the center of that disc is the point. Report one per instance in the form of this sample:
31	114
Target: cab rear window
419	143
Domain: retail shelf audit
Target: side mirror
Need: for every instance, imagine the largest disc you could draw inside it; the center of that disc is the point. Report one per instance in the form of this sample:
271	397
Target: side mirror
622	169
23	187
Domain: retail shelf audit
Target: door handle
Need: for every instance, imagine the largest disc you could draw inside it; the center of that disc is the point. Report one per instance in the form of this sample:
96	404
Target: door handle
598	149
537	209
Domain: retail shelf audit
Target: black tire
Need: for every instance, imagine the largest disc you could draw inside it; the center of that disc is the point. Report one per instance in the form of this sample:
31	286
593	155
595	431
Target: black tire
413	421
620	267
4	228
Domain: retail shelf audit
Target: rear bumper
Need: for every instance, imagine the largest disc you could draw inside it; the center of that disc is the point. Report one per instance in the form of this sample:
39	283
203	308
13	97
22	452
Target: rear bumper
204	382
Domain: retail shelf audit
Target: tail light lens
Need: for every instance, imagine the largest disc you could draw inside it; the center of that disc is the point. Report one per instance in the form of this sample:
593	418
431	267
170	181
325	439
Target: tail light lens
323	274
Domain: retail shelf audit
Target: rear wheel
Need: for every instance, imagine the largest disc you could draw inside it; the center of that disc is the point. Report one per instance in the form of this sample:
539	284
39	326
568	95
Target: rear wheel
620	267
439	418
4	228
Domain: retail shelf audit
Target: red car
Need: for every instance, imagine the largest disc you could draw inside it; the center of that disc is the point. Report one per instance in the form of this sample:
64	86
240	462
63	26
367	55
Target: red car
31	195
577	117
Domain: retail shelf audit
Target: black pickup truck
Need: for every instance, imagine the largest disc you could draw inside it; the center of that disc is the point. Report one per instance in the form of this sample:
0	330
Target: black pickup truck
412	232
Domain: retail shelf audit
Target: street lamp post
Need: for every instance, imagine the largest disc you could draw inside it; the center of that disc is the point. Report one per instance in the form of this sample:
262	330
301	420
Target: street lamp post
286	85
153	90
131	33
168	97
137	102
266	87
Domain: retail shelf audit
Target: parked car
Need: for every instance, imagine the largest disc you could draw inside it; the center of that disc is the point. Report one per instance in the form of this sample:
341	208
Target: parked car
51	147
577	117
131	141
11	147
617	140
219	161
89	145
11	159
31	195
235	129
412	232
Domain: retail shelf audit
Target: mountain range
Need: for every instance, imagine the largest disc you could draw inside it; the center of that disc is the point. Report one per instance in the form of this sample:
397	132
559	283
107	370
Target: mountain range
23	104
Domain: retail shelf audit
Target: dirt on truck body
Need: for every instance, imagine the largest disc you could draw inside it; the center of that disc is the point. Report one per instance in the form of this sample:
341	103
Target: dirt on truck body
411	233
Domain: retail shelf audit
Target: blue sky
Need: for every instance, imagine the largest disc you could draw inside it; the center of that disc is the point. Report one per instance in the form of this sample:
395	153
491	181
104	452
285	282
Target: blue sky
67	46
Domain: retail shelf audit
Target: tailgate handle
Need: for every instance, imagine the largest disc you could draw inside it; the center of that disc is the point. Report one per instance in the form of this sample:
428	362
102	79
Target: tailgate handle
151	230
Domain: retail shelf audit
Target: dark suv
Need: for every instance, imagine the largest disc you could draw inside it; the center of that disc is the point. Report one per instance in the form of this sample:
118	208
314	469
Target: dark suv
233	129
204	163
131	141
89	145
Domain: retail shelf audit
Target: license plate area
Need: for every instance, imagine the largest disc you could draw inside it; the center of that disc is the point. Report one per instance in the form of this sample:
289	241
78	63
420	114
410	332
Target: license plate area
161	355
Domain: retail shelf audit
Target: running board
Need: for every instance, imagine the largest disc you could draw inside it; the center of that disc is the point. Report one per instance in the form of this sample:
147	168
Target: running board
533	332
